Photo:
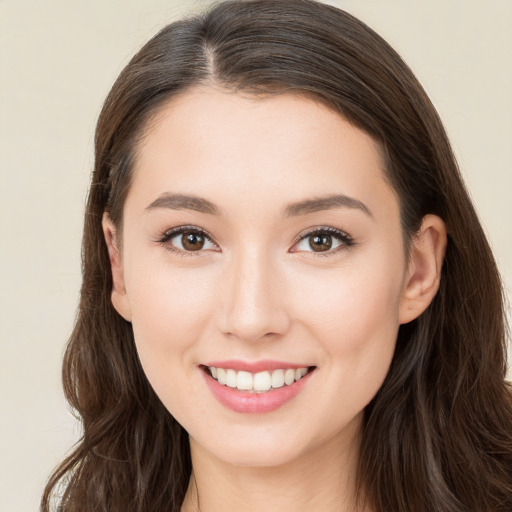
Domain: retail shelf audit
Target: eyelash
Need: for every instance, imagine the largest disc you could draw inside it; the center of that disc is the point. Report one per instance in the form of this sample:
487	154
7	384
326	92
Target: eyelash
345	239
171	233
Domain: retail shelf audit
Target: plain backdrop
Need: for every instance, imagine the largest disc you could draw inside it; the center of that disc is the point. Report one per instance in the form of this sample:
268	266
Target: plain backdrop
58	59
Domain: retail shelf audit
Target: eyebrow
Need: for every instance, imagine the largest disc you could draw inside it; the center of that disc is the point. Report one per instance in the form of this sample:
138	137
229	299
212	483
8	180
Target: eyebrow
325	203
184	202
199	204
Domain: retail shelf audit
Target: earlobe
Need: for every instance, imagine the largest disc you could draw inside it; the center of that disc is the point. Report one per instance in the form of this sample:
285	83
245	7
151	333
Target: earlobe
119	296
427	251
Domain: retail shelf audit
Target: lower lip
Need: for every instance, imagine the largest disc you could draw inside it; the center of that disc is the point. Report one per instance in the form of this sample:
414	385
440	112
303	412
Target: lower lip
254	403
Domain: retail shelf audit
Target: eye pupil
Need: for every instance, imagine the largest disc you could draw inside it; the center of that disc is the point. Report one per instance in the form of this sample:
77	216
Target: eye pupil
192	241
320	243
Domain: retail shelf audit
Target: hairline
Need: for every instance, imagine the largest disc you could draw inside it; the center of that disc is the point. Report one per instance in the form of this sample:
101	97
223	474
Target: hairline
153	114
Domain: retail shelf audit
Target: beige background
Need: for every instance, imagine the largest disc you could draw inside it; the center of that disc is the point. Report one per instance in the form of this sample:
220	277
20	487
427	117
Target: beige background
58	59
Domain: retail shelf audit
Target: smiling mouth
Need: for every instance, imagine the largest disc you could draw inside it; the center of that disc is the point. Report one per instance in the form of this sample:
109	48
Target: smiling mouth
259	382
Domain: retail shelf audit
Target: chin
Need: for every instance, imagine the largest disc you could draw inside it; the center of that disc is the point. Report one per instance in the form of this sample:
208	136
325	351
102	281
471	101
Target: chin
269	446
256	456
254	447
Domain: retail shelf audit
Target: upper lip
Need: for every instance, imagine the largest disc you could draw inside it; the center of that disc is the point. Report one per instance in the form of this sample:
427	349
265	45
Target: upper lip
255	366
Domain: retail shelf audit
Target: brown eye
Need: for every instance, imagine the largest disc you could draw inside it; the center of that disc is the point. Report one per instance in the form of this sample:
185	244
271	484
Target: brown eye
320	243
187	240
192	241
324	240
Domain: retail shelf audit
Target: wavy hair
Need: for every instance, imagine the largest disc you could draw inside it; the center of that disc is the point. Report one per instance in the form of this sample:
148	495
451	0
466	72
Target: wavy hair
438	435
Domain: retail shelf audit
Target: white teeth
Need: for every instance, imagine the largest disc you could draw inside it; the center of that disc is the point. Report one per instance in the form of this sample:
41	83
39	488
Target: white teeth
289	376
244	381
221	376
262	381
257	382
278	378
231	378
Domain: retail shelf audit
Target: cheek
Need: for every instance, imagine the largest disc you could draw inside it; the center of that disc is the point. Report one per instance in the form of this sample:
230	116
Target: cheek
351	303
169	310
353	313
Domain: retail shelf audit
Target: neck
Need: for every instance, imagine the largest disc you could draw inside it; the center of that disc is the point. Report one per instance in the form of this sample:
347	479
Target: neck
322	479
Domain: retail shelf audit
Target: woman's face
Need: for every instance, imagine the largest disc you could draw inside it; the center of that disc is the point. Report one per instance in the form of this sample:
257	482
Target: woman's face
261	238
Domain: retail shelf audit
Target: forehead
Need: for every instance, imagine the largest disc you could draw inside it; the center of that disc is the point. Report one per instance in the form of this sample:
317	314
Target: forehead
230	146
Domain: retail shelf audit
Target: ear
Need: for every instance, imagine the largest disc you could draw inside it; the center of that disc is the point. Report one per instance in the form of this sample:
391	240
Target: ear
119	296
427	251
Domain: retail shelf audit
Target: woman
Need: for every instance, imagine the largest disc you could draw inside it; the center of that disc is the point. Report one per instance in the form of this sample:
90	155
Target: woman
288	300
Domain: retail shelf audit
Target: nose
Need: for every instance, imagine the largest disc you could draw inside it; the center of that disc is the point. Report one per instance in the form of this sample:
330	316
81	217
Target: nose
252	299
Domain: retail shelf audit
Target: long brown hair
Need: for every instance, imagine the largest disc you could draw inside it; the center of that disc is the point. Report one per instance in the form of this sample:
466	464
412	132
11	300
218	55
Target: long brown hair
438	434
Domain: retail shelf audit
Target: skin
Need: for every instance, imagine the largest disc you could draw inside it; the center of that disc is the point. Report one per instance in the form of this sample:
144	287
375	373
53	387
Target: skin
257	289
